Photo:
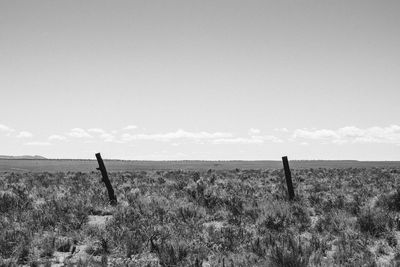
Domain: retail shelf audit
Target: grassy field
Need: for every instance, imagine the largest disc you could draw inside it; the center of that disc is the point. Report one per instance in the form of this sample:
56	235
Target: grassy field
238	217
64	165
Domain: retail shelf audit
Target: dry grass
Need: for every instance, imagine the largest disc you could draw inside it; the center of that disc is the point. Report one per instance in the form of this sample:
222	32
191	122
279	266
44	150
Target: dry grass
207	218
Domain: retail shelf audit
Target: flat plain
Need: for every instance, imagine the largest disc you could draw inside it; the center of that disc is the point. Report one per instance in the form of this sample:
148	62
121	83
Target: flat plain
86	165
57	213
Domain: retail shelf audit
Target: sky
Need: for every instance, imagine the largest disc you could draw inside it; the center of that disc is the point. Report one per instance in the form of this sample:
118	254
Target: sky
206	80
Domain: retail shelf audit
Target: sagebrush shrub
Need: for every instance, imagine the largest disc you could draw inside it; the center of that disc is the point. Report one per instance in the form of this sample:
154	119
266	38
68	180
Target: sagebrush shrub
275	216
290	253
352	251
11	239
373	222
8	201
301	216
171	254
391	201
332	222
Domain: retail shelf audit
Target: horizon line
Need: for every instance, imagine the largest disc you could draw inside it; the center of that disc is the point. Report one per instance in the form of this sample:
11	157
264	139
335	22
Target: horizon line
193	160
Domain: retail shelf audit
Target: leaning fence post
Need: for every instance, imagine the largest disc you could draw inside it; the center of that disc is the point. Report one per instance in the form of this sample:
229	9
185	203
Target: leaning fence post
102	168
288	176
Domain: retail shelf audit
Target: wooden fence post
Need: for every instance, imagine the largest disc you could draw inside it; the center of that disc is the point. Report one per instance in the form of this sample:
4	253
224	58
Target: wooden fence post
102	168
288	176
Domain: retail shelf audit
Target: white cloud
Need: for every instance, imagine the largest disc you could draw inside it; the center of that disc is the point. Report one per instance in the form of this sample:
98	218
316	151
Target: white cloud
350	131
24	134
390	134
284	129
203	137
269	138
130	127
79	133
96	130
6	129
106	137
57	137
179	134
238	140
256	139
352	134
102	134
253	131
315	134
38	144
127	137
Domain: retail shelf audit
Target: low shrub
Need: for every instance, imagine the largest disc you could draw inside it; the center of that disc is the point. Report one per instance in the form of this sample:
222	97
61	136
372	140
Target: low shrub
390	202
290	253
374	222
10	240
352	251
9	201
333	222
275	216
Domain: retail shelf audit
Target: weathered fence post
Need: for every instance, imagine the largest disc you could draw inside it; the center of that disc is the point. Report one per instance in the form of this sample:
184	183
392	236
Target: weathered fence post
288	176
102	168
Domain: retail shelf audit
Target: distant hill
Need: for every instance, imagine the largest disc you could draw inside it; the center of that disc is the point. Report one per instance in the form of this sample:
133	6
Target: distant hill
22	157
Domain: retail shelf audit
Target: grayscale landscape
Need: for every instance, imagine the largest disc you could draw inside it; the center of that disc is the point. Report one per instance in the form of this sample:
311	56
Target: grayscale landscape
213	133
180	216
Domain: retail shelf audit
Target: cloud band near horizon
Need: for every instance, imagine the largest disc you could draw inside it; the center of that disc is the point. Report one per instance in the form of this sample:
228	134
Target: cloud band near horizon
344	135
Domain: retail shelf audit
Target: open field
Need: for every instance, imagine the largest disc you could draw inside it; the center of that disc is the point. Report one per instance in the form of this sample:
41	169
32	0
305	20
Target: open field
340	217
65	165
